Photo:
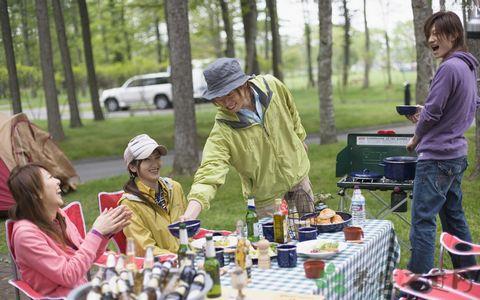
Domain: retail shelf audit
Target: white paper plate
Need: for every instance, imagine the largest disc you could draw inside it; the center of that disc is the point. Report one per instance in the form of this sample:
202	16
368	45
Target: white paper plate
228	241
305	248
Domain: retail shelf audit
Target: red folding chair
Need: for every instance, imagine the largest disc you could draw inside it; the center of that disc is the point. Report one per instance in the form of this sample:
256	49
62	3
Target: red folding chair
441	283
17	282
75	214
110	200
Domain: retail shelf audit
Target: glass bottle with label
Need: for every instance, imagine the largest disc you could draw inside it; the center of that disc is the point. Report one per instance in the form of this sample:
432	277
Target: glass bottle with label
183	248
147	265
212	267
280	226
242	249
253	226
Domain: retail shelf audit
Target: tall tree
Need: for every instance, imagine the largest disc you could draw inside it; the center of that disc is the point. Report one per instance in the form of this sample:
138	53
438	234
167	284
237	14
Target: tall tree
46	58
422	9
308	42
346	43
214	27
25	32
158	38
442	5
267	33
186	153
87	47
276	40
227	24
466	7
10	57
124	27
366	73
114	16
327	116
389	61
67	64
103	32
474	47
249	17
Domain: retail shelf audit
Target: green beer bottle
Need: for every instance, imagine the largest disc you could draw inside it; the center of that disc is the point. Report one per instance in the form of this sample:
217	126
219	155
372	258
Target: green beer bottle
184	248
253	227
212	267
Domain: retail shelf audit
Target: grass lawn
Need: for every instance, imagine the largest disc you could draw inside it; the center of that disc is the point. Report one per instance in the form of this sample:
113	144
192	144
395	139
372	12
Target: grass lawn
228	205
354	107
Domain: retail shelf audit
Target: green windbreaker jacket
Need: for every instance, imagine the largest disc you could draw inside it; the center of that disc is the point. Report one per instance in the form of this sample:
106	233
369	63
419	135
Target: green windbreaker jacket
269	157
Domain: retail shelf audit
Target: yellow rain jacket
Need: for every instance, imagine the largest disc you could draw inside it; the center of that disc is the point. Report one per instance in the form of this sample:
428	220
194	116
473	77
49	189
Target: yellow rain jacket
270	157
149	227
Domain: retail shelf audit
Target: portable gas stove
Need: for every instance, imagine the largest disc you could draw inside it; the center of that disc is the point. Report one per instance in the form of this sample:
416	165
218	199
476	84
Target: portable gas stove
358	165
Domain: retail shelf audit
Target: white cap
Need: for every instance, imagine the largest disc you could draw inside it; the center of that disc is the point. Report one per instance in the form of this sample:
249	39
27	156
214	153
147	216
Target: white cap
140	147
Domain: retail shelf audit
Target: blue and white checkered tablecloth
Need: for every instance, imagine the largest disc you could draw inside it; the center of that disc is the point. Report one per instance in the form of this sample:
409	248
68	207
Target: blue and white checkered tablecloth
361	271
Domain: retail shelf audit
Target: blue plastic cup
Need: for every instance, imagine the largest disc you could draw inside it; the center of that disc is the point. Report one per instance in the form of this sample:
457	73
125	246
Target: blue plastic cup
287	256
219	255
268	231
307	233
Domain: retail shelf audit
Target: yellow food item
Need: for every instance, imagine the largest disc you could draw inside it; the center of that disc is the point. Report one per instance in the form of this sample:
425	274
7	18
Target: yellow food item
336	219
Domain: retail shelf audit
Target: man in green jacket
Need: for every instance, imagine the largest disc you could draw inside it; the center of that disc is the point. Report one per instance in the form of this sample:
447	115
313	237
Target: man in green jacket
258	131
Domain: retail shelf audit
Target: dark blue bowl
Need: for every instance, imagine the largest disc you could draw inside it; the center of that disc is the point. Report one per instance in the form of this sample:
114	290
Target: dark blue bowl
192	228
347	220
406	110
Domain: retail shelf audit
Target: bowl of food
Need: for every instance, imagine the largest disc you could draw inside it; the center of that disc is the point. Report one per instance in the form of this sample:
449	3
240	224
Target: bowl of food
406	110
329	220
192	228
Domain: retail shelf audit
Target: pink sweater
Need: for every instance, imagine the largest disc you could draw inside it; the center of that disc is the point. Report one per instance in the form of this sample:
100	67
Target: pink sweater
49	268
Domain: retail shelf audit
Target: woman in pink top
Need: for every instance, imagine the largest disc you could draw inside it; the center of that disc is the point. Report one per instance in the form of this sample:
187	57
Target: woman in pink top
50	253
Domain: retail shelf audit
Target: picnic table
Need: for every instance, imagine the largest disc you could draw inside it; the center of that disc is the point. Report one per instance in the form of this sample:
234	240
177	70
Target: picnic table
361	271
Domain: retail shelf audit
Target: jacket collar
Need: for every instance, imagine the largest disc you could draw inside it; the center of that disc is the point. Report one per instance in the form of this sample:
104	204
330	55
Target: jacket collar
238	121
165	183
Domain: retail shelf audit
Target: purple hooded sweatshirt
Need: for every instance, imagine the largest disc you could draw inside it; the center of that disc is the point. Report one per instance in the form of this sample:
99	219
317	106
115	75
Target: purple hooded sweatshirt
449	109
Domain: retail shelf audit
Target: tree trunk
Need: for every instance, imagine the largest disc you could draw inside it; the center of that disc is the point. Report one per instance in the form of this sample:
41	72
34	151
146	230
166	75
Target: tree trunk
186	154
214	24
25	32
366	74
158	39
227	24
125	26
267	38
76	33
10	57
466	7
249	17
308	42
114	14
276	40
87	46
48	75
389	62
474	48
67	64
346	44
442	5
103	32
421	11
327	116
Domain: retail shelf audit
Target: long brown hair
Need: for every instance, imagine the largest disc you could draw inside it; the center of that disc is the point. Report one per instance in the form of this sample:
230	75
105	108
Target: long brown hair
447	24
27	186
132	188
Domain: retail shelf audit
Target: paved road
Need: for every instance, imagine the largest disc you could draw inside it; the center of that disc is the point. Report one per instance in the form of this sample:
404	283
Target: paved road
92	169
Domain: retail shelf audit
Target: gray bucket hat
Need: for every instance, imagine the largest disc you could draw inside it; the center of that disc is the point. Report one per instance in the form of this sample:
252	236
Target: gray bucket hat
223	76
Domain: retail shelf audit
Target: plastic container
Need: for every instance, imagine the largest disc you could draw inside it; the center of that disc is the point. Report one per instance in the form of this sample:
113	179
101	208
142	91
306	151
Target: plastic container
358	208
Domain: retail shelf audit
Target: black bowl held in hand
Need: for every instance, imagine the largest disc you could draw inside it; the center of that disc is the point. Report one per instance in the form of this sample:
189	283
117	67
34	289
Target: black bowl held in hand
192	228
406	110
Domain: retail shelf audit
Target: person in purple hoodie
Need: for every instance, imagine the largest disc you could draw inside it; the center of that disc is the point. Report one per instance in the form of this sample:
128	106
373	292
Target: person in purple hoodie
440	143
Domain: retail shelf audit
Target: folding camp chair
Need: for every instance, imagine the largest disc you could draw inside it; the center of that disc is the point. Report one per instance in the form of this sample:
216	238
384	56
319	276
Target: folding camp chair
441	283
17	282
110	200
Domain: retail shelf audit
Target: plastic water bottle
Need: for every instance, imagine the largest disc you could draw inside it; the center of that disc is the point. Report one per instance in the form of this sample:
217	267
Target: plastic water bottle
358	208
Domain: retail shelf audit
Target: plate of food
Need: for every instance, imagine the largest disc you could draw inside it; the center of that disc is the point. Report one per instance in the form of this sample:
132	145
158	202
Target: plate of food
228	241
320	248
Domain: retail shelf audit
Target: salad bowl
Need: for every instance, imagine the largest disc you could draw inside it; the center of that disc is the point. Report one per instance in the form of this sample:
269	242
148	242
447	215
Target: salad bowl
320	248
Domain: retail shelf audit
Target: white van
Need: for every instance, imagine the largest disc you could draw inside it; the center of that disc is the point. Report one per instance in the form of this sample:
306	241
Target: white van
154	88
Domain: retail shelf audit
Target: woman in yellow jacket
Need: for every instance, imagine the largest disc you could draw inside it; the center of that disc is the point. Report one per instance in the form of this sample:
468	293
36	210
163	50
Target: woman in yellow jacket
155	201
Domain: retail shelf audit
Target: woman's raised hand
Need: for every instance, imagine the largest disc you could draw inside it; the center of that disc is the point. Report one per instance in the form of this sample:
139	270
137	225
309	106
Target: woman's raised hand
112	220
